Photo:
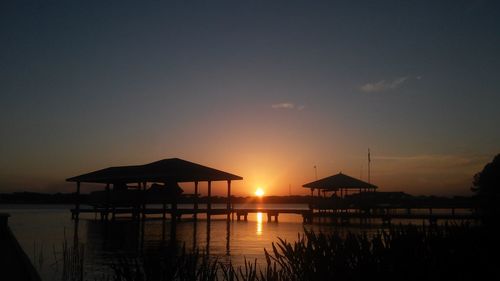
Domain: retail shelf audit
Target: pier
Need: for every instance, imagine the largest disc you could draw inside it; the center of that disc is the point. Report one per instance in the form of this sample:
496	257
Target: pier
341	216
137	191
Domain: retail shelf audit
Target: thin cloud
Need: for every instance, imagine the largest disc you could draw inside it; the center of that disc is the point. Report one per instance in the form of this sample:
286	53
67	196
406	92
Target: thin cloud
383	85
288	105
283	105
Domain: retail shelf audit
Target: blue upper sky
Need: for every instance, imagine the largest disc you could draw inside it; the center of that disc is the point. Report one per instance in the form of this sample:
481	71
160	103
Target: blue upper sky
264	89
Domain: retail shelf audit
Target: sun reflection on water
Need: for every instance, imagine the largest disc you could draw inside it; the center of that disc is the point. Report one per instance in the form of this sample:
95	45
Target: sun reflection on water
259	224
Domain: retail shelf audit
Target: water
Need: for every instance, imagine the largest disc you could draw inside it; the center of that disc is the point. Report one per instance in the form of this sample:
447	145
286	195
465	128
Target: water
42	229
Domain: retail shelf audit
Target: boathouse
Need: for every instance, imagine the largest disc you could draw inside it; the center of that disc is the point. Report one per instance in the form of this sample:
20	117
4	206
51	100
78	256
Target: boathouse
340	185
128	189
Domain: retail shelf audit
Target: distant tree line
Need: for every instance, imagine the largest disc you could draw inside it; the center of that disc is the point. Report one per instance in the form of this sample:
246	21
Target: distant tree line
486	185
39	198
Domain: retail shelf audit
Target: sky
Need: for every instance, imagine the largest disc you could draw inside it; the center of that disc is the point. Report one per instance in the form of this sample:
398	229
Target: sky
263	89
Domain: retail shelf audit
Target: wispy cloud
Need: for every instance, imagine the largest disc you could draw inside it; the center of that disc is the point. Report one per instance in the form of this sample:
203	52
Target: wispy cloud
384	85
287	105
283	105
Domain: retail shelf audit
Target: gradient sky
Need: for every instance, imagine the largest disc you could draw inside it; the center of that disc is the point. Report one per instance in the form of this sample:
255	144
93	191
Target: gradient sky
262	89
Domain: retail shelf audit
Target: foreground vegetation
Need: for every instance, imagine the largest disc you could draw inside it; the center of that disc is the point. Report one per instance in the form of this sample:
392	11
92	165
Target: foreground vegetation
405	253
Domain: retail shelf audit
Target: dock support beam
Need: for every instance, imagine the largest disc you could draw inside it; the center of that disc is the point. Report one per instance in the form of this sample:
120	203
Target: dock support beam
240	214
108	201
76	214
143	199
270	216
209	199
195	215
228	208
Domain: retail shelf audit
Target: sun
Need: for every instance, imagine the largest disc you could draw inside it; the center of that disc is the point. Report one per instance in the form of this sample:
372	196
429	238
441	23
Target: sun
259	192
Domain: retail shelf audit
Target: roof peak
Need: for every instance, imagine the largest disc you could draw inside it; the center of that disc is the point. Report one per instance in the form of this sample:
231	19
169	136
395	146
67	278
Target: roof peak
169	169
339	180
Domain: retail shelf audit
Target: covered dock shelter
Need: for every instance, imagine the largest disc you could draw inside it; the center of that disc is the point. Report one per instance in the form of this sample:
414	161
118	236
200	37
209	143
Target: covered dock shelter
156	182
340	185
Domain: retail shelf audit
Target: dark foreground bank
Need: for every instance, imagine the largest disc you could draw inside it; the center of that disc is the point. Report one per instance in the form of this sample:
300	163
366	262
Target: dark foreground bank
14	264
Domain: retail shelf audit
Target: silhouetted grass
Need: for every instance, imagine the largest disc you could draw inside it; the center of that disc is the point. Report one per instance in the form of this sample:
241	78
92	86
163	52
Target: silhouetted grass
405	253
167	264
72	262
452	252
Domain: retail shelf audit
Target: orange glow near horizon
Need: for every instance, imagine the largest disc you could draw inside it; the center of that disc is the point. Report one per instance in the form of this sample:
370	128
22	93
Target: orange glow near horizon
259	192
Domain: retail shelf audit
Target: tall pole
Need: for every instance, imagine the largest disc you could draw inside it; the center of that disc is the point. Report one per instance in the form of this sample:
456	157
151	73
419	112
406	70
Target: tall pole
316	172
369	161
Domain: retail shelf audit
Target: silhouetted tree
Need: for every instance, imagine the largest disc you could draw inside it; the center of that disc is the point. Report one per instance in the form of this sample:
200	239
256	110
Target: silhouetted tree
486	185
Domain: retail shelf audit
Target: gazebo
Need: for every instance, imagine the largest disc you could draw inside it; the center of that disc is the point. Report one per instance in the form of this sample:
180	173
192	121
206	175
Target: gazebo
168	172
339	183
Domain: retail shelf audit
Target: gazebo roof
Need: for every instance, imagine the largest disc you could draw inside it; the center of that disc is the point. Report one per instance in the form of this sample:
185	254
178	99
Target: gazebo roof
338	181
166	170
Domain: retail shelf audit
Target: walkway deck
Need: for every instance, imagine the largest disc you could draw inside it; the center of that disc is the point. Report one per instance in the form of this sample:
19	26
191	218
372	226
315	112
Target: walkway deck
386	215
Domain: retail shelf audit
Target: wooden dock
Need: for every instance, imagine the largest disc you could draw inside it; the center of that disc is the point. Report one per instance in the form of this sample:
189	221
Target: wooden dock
344	216
178	213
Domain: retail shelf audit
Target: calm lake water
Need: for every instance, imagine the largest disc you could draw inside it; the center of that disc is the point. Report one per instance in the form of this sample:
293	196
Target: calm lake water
42	229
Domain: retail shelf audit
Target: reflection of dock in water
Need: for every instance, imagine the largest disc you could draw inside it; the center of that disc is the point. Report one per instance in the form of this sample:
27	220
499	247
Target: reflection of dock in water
112	240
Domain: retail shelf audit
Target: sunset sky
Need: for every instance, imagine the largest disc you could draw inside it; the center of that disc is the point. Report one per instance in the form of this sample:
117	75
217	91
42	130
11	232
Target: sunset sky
262	89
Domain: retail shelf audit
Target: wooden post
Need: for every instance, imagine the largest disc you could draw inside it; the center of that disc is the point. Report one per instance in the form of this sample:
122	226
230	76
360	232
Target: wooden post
195	216
311	200
77	201
228	199
209	200
164	211
108	199
142	187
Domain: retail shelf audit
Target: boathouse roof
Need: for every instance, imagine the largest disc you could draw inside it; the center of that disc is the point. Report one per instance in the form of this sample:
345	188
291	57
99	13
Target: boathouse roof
166	170
339	181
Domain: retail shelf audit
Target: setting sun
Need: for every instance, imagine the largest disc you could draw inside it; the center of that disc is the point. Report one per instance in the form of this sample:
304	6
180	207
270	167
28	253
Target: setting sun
259	192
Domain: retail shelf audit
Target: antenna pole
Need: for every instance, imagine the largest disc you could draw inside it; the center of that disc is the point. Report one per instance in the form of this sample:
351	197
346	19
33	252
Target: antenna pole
369	161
